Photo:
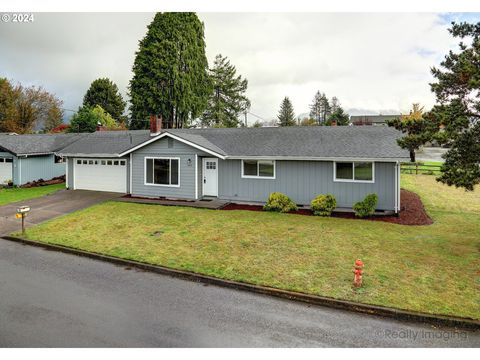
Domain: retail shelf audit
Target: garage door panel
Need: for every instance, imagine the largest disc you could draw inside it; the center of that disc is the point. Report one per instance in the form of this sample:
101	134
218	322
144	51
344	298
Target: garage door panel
101	175
6	173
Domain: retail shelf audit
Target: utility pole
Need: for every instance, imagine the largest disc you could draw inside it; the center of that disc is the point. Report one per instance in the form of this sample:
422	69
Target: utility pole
246	121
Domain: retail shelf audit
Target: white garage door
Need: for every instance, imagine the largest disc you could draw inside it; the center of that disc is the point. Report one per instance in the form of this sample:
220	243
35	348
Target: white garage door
101	175
5	170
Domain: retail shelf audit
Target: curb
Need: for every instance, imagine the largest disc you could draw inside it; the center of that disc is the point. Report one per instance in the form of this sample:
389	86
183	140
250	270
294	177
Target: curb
449	321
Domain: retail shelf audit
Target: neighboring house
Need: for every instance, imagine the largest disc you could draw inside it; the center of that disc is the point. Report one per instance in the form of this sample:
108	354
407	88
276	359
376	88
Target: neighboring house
25	158
372	119
242	164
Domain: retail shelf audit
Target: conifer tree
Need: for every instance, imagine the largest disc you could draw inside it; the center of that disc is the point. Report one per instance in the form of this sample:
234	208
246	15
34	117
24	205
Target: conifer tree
457	113
170	72
105	93
227	100
286	116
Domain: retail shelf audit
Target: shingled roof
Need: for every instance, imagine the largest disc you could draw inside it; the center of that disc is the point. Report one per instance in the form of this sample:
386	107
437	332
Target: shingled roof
315	142
36	144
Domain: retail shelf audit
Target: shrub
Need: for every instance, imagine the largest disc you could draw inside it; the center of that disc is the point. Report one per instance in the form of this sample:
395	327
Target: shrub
323	205
367	206
279	202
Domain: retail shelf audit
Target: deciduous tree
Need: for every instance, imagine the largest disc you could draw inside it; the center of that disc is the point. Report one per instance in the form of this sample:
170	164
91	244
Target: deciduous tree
87	119
24	108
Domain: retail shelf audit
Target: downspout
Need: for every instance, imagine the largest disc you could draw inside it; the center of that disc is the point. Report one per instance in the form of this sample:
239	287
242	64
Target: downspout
397	207
131	172
196	176
399	192
66	173
19	171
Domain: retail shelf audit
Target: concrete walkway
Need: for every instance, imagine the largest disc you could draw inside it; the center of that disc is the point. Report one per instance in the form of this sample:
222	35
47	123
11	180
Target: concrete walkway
50	206
202	204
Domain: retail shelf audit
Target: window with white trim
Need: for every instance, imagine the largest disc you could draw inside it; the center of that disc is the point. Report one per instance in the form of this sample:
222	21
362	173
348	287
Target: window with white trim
162	171
354	171
258	169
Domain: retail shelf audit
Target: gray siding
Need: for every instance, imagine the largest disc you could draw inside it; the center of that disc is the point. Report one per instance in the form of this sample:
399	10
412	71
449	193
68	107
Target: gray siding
303	180
168	148
33	168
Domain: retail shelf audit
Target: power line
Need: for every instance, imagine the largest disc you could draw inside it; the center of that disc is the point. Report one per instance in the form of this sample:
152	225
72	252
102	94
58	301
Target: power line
257	116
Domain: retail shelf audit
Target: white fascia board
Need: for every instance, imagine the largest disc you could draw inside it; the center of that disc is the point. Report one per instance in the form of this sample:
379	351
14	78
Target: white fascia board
35	154
313	158
77	155
208	151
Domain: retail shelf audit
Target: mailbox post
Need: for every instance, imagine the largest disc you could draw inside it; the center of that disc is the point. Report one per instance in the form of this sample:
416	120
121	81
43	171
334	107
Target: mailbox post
22	211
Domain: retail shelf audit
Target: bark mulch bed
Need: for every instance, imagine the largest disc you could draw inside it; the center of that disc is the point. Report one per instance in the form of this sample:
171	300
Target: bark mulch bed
412	212
41	182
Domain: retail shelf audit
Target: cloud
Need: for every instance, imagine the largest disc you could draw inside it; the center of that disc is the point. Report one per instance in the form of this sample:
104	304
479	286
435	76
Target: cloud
369	61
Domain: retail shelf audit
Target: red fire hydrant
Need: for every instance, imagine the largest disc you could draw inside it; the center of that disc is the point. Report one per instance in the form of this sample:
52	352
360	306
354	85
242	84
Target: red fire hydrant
357	280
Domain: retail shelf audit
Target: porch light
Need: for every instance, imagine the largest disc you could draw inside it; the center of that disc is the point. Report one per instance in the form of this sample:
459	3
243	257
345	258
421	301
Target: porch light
189	162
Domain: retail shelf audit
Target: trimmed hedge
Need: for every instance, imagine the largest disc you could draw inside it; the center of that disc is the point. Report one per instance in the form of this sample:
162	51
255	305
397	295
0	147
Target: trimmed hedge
280	203
367	206
323	205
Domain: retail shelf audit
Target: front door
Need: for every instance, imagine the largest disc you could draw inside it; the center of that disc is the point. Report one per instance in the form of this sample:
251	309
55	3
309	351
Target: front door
210	177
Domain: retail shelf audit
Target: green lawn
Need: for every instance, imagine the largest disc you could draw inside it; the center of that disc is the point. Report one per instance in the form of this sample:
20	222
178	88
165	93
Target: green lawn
424	268
8	196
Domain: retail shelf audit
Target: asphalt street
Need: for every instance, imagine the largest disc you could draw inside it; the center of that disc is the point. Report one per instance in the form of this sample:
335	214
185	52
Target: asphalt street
51	299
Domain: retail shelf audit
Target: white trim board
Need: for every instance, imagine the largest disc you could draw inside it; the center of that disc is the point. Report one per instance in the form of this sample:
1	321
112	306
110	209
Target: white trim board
169	172
353	173
258	170
208	151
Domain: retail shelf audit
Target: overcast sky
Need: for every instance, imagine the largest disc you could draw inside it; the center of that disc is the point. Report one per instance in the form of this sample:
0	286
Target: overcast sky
371	62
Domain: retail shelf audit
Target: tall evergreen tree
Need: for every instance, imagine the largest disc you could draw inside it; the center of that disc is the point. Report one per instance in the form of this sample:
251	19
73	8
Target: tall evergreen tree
286	116
457	114
316	108
227	101
105	93
320	108
170	72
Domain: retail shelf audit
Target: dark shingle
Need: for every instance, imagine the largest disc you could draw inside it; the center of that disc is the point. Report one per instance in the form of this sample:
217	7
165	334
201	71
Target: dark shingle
32	144
311	141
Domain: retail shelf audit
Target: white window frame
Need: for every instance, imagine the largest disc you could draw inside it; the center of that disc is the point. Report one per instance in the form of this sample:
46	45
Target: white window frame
170	173
258	170
353	173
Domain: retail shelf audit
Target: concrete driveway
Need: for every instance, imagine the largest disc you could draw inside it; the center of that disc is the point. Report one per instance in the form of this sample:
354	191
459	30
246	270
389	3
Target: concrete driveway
50	206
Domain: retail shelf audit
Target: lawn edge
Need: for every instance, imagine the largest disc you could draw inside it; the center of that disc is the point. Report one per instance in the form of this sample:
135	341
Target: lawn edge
398	314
